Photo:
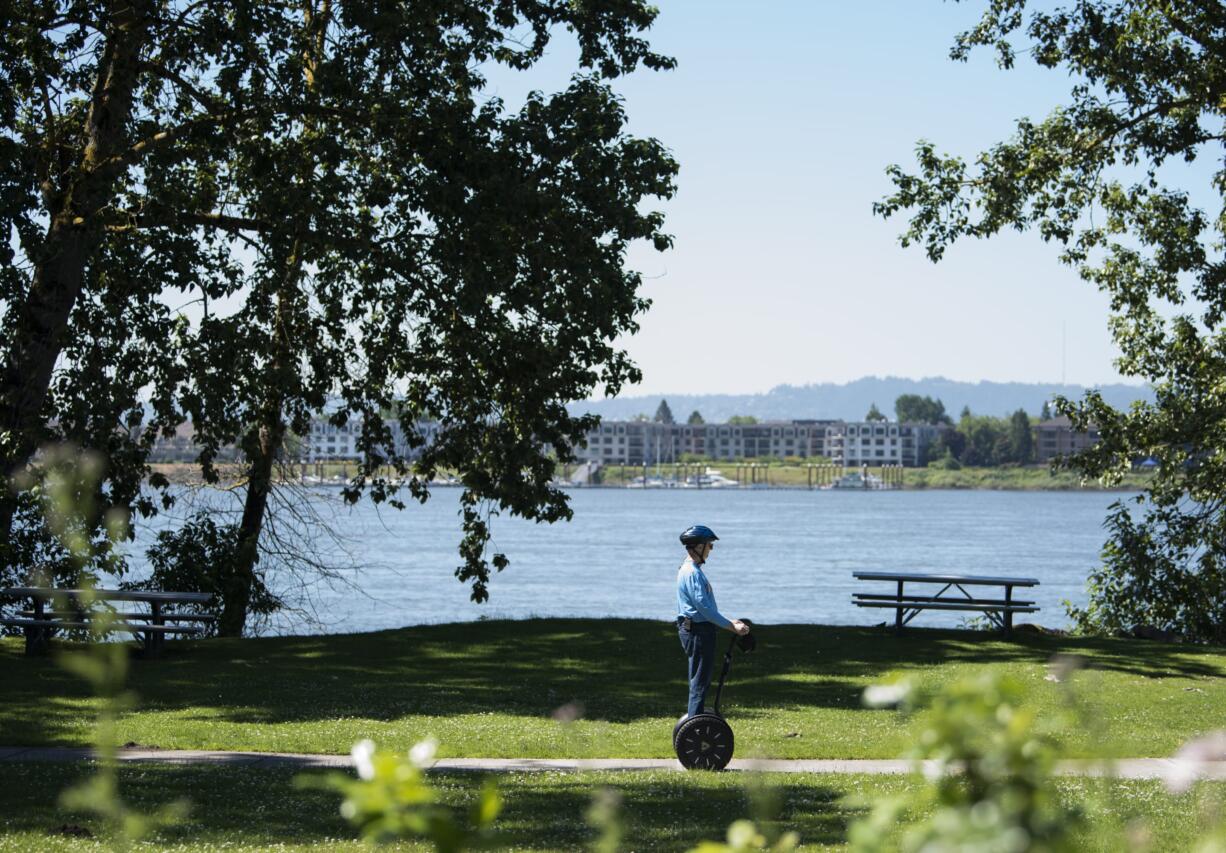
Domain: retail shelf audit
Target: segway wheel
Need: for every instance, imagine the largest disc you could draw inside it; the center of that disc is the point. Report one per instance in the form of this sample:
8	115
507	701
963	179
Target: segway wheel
704	742
677	728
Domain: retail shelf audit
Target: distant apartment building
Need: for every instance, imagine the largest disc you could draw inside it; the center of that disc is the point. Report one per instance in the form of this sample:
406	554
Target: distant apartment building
648	442
884	443
1056	437
645	442
182	447
326	441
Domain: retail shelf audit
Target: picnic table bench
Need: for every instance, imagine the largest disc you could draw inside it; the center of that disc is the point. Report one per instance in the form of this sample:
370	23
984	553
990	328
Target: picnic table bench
906	607
79	609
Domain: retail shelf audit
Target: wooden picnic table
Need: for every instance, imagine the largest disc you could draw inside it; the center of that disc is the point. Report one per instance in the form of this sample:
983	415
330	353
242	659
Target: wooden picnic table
39	622
906	607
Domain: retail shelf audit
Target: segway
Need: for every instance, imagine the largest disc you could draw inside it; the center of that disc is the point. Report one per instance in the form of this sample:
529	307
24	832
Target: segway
704	741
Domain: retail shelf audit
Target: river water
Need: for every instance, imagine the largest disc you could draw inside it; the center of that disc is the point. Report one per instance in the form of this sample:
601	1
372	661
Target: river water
783	555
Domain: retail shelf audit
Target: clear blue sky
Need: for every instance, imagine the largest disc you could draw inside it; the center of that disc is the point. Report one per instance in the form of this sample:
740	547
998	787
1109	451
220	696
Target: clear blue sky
784	115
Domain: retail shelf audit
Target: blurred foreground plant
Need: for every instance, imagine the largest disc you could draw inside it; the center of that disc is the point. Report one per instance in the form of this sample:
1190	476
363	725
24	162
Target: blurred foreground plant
990	771
391	799
1194	761
70	482
744	837
604	816
760	833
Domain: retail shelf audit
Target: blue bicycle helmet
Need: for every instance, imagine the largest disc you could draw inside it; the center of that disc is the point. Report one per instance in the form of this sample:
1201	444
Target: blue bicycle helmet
697	535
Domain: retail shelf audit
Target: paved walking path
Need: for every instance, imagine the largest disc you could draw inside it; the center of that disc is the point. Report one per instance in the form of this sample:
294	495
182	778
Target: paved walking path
1125	768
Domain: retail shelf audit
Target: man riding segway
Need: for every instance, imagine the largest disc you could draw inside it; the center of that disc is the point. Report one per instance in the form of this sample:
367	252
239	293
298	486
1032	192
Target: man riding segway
698	617
697	614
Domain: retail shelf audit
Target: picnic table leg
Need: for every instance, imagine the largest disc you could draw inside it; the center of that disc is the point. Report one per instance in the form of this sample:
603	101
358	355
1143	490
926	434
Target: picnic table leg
154	639
38	640
1008	613
898	611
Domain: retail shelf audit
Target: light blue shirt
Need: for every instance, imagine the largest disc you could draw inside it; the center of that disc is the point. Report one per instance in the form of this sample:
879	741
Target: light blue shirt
695	598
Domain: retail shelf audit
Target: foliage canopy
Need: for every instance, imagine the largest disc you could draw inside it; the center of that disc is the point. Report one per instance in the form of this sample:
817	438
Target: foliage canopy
396	240
912	408
1098	177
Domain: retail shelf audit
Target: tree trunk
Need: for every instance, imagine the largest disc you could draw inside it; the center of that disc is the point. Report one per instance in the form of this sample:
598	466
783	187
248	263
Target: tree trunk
236	593
261	449
73	235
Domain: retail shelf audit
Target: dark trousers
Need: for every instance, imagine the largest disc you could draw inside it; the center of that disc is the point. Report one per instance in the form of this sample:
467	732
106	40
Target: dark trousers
699	645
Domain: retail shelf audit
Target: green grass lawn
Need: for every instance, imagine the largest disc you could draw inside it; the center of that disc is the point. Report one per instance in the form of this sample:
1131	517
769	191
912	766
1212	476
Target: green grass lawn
488	689
249	809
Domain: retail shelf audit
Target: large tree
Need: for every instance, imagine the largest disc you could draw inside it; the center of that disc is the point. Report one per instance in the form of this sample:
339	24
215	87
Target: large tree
1021	438
482	280
912	408
1106	178
402	240
986	441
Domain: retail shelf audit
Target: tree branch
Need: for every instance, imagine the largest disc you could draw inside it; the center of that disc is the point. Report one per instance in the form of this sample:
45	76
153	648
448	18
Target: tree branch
1123	126
203	98
50	144
233	224
115	164
1191	34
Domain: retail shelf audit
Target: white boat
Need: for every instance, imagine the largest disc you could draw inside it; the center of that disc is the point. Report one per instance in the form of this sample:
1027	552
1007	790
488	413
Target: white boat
858	481
647	483
710	480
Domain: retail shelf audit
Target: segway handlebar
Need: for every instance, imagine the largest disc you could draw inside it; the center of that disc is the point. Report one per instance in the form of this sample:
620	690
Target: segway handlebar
746	643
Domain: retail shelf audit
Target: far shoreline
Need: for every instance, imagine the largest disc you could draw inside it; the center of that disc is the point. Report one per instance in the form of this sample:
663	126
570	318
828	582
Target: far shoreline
779	477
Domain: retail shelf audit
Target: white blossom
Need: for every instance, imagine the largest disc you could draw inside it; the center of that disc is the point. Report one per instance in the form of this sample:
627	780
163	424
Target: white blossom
363	751
886	695
422	753
1193	759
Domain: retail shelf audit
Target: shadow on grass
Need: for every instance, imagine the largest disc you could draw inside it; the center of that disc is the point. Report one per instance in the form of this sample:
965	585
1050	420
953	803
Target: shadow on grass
621	670
261	807
666	815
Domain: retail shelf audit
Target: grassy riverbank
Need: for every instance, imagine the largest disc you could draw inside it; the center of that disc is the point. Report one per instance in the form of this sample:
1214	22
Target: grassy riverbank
489	689
1015	479
250	809
1033	478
